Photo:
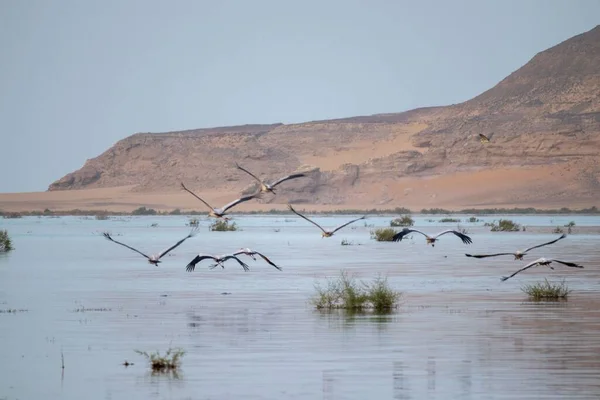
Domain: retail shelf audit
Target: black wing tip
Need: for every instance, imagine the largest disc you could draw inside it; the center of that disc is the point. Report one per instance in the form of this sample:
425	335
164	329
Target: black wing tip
190	267
468	255
398	237
504	278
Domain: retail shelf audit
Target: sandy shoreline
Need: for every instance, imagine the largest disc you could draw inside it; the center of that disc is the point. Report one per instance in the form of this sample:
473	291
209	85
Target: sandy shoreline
122	200
493	188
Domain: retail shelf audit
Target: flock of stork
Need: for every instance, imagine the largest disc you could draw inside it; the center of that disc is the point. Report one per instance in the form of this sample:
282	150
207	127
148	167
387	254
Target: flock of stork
265	187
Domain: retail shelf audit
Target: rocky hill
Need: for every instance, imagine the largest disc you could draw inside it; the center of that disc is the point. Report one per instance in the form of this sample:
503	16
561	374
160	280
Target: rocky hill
547	113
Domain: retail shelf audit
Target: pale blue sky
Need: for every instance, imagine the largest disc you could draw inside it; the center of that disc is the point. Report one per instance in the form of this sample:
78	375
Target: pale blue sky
76	76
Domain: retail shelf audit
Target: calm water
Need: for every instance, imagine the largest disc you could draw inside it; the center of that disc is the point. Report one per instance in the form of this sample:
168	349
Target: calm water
460	333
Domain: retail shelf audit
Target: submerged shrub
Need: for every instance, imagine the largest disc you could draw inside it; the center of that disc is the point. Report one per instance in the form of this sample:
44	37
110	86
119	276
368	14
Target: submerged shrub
170	361
547	290
474	219
405	220
505	225
450	220
348	294
383	234
223	226
5	242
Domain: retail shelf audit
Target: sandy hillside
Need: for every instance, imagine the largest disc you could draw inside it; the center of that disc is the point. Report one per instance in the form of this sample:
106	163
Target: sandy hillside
543	120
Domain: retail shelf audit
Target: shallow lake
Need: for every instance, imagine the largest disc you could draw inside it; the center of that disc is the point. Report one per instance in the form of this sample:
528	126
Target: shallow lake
459	333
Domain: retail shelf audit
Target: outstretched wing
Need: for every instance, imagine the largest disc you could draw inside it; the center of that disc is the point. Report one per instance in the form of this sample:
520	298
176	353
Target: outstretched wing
248	172
531	264
488	255
238	201
465	239
192	233
348	223
267	260
483	138
193	194
546	244
243	264
568	264
400	235
107	235
286	178
192	264
302	216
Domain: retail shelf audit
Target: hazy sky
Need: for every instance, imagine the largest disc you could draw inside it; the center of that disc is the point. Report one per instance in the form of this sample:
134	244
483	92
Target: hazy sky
77	76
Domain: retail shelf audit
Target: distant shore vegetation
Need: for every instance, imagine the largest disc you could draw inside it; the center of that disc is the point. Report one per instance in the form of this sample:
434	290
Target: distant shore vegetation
389	211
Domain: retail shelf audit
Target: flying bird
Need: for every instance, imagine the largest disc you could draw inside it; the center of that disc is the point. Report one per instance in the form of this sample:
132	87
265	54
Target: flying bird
542	261
266	187
484	139
253	254
220	212
431	239
325	232
519	253
154	259
218	259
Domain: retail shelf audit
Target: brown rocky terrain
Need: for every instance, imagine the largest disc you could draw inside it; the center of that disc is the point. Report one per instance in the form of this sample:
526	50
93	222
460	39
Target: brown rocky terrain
544	120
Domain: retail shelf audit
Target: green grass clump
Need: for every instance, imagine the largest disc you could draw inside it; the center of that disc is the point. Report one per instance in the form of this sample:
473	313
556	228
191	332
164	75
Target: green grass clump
547	290
405	220
348	294
383	234
474	219
170	361
505	225
5	242
223	226
450	220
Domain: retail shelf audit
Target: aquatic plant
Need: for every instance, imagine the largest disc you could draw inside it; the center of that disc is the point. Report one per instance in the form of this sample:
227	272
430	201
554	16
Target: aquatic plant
170	361
449	220
405	220
504	225
223	226
473	219
5	242
383	234
101	217
346	293
193	222
547	290
558	229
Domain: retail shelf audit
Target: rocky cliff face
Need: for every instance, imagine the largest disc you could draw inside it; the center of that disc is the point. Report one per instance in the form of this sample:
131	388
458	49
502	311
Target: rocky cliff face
547	112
